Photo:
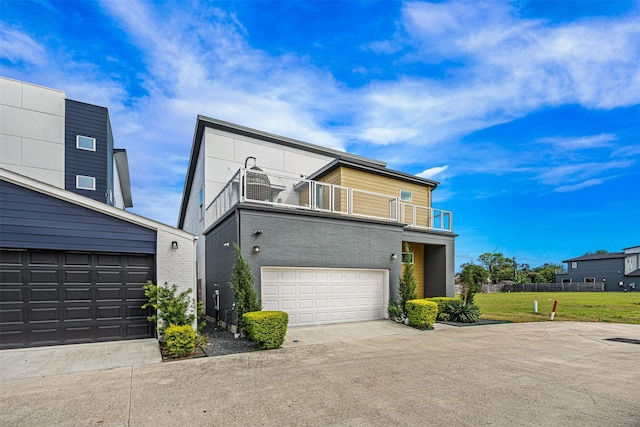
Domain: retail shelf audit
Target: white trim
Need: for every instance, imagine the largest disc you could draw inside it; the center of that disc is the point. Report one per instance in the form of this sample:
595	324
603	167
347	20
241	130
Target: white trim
85	148
82	187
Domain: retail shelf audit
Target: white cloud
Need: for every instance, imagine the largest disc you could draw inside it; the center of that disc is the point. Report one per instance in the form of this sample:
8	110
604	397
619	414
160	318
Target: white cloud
578	186
20	47
433	172
579	143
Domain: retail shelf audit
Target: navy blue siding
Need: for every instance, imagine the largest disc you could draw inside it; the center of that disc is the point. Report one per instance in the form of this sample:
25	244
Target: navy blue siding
31	220
610	271
92	121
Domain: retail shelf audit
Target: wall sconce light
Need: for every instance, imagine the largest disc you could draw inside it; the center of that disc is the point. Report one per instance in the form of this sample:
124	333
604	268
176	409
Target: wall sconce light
256	249
257	232
225	244
174	245
394	256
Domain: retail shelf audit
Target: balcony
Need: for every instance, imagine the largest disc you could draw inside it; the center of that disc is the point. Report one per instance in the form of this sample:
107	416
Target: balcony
256	186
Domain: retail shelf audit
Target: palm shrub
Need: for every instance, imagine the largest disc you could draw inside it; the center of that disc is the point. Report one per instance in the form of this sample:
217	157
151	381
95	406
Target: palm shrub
242	287
407	283
462	312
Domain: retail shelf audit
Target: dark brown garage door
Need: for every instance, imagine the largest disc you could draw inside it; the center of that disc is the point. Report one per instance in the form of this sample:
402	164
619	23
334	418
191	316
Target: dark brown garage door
57	297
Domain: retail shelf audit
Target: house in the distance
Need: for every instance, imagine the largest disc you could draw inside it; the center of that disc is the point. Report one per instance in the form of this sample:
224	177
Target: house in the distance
73	262
322	230
619	271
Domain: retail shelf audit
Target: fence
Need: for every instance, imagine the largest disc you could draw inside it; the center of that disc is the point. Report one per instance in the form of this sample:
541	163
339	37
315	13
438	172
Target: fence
554	287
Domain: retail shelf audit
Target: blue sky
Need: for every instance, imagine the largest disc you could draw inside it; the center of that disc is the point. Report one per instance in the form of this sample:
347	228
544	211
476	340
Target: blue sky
527	113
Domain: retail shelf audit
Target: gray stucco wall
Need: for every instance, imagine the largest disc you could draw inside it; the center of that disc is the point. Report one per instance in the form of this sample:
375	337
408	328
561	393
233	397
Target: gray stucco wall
291	239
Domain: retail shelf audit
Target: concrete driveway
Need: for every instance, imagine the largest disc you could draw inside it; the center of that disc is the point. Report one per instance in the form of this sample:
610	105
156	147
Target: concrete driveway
553	373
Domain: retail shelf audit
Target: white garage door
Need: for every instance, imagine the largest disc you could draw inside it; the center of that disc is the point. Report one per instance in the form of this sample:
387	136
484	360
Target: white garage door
313	296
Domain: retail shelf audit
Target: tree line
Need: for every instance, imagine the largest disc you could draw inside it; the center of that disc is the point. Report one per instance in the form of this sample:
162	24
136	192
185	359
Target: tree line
495	267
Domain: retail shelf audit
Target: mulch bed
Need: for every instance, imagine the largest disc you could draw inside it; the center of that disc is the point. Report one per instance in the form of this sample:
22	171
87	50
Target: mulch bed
219	342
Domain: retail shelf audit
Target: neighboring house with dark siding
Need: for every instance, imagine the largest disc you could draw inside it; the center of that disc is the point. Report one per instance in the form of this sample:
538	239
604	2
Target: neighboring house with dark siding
619	271
73	262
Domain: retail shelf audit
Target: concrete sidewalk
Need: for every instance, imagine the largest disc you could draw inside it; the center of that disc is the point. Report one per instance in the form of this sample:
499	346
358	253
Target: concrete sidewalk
532	374
65	359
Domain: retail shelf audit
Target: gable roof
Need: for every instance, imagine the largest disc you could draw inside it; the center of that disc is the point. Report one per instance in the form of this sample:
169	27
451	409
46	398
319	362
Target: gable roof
374	169
204	122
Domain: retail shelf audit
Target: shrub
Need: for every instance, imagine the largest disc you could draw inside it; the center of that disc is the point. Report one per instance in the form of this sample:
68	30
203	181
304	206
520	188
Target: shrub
442	302
394	310
172	308
266	328
461	312
180	340
422	313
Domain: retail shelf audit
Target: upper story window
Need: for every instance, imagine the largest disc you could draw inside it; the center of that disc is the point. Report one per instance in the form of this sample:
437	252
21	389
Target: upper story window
406	196
85	182
85	143
201	205
574	264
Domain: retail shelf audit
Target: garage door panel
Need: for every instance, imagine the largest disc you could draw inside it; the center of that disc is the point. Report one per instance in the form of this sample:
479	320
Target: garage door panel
77	259
53	297
137	277
44	295
43	277
77	313
10	295
79	276
77	294
319	296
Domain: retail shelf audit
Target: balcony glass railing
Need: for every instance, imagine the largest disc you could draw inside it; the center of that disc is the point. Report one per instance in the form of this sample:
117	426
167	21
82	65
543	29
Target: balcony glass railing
250	185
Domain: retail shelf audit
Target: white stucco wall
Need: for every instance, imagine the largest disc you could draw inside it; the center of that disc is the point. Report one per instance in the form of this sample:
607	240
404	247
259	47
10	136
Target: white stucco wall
32	131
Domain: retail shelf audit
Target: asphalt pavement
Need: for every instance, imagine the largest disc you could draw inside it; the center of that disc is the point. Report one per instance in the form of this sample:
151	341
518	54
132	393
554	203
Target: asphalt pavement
528	374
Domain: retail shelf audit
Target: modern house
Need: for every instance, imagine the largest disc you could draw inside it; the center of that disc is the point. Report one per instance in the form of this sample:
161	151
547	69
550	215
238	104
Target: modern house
619	271
73	262
322	230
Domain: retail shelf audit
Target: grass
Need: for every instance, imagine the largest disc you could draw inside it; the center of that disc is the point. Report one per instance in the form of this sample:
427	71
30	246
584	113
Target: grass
614	307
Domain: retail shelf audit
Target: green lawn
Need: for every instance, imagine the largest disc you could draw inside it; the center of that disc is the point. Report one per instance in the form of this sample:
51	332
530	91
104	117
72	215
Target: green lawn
617	307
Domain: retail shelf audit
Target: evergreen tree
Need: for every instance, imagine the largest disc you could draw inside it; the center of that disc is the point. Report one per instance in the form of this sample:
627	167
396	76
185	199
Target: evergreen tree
407	282
242	287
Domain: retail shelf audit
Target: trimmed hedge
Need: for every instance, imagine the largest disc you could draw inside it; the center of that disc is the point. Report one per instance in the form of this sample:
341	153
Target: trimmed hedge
422	313
442	302
180	339
266	328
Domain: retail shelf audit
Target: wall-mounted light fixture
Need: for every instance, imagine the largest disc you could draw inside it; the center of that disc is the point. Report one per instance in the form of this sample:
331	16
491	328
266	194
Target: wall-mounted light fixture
256	249
174	245
394	256
225	244
257	232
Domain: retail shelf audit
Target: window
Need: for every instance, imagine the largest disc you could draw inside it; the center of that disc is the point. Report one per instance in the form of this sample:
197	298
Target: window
85	182
406	196
407	258
589	280
566	281
85	143
574	265
201	204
